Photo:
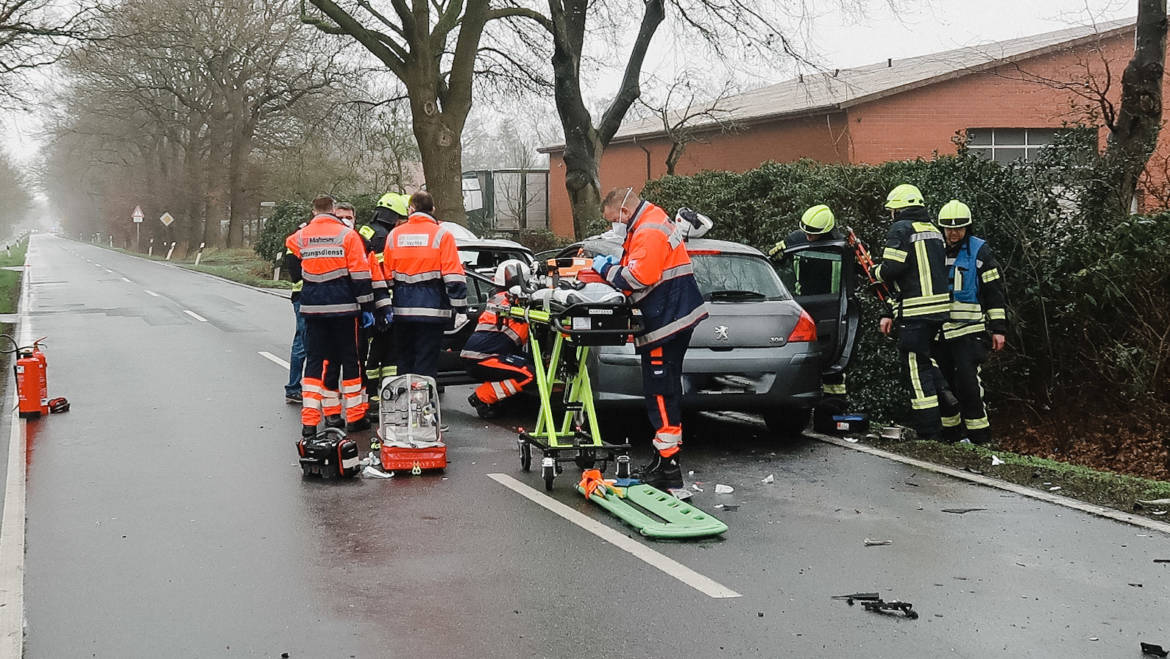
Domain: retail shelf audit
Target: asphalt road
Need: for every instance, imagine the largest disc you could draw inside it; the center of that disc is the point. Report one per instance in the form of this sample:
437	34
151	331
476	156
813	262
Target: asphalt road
166	517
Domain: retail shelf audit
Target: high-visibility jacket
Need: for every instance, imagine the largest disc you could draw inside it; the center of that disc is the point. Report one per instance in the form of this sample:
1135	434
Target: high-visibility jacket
375	234
497	333
977	288
914	263
424	272
334	268
656	273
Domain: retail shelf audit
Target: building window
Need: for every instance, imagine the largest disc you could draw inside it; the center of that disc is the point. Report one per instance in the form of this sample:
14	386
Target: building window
1005	145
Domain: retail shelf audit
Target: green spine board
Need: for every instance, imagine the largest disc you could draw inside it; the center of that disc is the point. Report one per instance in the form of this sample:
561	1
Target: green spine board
682	519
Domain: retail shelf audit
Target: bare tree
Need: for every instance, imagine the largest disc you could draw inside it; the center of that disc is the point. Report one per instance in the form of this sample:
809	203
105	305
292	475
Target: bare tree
432	48
34	33
687	115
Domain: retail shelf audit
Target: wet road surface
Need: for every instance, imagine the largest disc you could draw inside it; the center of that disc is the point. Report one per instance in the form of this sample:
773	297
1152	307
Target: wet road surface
167	518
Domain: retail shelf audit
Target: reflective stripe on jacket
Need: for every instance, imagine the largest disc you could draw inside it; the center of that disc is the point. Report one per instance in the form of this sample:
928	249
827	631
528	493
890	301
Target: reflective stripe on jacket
977	289
914	262
497	333
656	273
423	271
334	268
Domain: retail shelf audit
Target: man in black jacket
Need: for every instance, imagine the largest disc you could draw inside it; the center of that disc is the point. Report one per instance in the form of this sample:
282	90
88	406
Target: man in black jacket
380	359
914	265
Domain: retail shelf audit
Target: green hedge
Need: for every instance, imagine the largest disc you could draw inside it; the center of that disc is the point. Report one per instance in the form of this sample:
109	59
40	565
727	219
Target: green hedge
1086	292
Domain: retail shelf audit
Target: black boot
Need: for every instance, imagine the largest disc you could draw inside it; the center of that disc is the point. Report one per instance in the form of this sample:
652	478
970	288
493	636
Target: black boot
662	473
335	421
308	432
358	426
484	410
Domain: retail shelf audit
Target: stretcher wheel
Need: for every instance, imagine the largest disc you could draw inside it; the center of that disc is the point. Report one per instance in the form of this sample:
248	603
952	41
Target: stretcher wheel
548	473
525	456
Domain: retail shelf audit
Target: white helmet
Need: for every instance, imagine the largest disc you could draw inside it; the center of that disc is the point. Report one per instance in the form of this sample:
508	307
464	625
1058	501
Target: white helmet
511	272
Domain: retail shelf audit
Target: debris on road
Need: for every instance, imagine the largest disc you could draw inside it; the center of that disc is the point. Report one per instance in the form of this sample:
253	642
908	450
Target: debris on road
680	493
732	507
961	511
724	489
374	472
1162	560
1151	502
1136	585
877	543
910	484
1156	650
874	603
769	479
695	487
973	471
995	461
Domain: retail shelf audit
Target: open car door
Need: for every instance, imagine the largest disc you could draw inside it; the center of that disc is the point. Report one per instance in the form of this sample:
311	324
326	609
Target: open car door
822	279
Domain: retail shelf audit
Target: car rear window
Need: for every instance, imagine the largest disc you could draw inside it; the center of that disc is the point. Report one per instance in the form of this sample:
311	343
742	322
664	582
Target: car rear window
481	260
721	275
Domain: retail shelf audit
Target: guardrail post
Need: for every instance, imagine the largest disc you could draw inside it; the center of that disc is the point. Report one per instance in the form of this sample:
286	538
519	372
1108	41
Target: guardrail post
199	254
171	250
150	251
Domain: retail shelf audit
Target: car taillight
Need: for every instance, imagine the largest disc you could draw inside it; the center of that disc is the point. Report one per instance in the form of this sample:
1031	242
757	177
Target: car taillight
805	330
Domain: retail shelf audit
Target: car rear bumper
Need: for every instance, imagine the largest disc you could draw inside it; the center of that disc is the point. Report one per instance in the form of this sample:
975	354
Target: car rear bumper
742	379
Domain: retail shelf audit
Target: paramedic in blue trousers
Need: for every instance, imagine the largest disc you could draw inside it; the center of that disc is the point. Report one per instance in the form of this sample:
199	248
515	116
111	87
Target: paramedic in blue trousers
428	287
655	273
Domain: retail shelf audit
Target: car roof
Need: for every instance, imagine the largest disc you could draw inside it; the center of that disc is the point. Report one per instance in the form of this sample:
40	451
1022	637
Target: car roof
492	243
725	246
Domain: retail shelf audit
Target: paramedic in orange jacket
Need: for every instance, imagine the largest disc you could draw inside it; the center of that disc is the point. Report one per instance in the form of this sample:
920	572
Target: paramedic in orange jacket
337	297
494	353
427	284
655	272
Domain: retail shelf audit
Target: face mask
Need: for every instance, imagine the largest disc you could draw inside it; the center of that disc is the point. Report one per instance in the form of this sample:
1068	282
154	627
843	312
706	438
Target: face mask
619	229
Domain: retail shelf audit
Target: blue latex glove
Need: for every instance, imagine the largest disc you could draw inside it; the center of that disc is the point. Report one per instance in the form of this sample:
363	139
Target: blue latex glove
384	320
367	319
601	262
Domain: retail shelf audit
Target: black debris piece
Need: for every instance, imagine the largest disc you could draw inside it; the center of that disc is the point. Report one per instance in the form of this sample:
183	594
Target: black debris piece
1162	560
1156	650
961	511
873	602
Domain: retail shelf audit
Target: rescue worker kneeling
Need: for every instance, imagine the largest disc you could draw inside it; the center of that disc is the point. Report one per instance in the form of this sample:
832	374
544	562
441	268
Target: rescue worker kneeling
493	353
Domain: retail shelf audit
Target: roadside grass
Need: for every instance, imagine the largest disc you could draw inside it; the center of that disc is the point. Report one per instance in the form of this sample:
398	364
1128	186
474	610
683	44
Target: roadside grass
1100	487
239	265
10	279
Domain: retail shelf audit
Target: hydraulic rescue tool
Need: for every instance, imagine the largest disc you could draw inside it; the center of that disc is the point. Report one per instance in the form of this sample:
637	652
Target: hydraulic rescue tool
865	260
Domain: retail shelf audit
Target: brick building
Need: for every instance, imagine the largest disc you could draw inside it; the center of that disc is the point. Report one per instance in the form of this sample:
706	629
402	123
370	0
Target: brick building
1008	98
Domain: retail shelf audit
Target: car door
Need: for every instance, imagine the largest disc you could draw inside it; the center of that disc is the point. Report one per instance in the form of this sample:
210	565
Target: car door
822	278
479	291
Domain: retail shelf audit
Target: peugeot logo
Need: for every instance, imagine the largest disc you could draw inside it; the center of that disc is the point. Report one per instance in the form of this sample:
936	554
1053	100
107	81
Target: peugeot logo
721	333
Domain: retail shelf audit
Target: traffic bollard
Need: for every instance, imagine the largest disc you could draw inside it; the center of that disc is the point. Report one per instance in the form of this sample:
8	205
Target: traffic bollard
170	251
199	254
150	250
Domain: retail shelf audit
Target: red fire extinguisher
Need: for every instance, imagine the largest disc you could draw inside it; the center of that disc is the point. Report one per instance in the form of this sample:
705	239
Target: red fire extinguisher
32	386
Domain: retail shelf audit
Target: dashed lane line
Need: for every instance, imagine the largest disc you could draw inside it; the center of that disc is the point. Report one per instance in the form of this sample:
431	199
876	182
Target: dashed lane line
699	582
274	359
195	315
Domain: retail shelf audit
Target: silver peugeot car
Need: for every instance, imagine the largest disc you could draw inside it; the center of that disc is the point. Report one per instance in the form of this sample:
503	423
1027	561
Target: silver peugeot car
761	349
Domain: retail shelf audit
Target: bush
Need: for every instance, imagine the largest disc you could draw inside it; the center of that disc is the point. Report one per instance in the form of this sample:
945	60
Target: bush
1086	290
286	217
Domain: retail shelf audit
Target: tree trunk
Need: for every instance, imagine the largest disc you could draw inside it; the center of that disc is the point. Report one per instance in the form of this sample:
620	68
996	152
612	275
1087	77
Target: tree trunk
242	134
438	134
215	205
1134	134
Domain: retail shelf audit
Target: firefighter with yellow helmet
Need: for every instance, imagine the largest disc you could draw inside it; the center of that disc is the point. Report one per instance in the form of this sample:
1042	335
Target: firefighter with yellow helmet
380	359
914	265
977	322
817	273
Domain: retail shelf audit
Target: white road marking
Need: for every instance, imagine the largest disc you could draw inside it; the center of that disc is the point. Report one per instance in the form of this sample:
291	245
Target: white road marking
125	280
151	293
670	566
1092	509
195	315
274	359
12	524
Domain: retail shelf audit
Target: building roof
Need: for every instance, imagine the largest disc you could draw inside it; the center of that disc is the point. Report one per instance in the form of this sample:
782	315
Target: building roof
836	90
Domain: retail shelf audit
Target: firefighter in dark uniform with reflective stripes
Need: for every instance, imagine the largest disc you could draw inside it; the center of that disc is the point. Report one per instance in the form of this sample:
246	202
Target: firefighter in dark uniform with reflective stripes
656	274
977	308
914	265
817	277
380	360
494	353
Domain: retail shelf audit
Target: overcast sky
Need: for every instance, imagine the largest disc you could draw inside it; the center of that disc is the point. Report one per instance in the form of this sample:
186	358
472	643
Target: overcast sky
836	39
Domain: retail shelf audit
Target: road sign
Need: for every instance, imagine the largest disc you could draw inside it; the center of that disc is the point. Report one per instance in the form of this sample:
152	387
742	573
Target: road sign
166	219
137	214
